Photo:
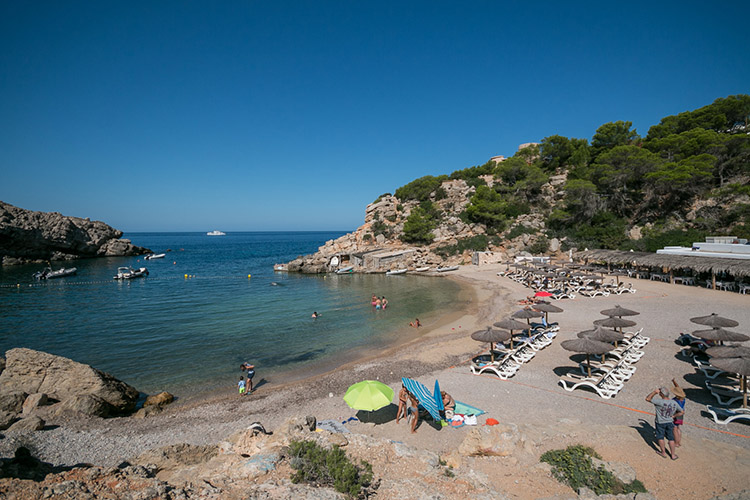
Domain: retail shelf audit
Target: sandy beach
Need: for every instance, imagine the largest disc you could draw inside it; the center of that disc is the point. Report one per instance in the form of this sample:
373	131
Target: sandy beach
620	429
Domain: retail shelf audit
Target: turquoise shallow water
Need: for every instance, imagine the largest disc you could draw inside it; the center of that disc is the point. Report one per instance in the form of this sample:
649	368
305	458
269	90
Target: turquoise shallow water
187	335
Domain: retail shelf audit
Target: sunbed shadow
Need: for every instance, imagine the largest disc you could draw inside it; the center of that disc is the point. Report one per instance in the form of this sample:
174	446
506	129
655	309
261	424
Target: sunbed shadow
381	416
647	432
564	370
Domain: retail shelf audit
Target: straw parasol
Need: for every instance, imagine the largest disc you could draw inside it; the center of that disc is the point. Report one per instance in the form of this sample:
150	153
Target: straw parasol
619	311
601	334
510	324
527	314
729	351
714	321
740	366
491	336
721	334
586	346
546	308
614	322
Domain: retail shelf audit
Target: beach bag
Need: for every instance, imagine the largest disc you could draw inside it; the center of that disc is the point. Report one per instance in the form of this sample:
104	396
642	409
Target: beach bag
470	420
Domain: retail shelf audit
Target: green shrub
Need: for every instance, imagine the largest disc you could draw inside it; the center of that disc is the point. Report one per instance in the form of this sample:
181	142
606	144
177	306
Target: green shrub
519	230
367	237
328	467
418	226
420	189
540	246
574	467
475	243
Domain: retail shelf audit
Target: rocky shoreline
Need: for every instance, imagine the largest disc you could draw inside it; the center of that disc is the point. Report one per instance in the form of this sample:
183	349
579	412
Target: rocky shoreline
27	236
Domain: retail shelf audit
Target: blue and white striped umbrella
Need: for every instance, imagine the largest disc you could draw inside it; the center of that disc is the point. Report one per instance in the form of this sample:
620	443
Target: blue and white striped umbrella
423	395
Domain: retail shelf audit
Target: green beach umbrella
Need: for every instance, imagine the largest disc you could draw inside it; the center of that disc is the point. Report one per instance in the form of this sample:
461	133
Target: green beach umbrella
368	395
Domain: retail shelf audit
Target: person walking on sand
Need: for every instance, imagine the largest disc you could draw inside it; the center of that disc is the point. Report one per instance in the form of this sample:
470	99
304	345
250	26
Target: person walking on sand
413	412
403	395
250	374
241	386
666	411
679	398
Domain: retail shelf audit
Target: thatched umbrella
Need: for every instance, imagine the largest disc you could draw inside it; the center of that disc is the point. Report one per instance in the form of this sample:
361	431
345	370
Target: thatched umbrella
510	324
491	336
546	308
740	366
721	335
587	346
619	311
714	321
617	275
527	313
614	322
602	334
729	351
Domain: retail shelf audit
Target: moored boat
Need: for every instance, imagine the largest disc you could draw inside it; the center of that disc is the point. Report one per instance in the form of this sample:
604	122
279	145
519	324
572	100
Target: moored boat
422	269
128	273
446	269
280	267
215	232
395	272
47	273
155	256
345	270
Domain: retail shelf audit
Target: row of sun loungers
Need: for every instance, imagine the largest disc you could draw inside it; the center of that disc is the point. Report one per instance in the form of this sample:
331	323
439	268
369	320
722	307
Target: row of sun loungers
508	361
609	375
725	388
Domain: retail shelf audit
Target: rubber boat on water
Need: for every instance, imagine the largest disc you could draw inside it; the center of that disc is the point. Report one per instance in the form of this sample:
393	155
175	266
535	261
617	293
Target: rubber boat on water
128	273
47	273
395	272
345	270
155	256
215	232
446	269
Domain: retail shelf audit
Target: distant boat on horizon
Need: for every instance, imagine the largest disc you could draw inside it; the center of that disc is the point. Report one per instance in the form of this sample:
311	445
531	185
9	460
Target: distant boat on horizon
216	232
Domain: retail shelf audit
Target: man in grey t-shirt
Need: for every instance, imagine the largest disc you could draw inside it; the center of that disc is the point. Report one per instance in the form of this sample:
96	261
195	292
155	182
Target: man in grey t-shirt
666	410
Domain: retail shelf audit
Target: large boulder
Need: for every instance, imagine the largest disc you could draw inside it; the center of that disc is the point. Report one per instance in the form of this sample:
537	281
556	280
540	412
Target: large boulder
32	372
32	423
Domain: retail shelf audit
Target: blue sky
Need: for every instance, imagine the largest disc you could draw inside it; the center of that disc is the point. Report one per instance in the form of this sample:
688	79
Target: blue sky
294	115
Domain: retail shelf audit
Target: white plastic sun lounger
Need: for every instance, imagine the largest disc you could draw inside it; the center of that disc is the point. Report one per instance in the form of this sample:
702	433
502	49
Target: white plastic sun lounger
604	386
723	416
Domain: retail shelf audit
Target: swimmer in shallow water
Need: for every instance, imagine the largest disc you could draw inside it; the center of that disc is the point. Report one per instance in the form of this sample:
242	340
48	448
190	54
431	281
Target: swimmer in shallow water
415	323
315	314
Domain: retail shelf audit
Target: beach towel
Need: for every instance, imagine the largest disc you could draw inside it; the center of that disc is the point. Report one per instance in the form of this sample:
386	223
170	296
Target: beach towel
332	426
465	415
424	397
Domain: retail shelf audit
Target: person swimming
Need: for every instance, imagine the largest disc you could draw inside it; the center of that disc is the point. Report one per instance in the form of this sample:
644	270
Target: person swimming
415	323
315	314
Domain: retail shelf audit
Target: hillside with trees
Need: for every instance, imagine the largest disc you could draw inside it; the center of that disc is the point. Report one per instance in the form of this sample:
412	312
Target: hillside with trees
689	177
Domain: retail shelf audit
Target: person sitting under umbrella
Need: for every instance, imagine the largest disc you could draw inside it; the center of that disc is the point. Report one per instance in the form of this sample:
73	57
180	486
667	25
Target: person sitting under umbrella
449	404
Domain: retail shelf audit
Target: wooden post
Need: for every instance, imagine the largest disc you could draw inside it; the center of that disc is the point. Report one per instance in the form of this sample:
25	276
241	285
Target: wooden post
671	277
713	280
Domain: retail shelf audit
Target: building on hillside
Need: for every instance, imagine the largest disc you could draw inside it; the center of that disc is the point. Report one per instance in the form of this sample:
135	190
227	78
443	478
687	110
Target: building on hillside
498	159
725	247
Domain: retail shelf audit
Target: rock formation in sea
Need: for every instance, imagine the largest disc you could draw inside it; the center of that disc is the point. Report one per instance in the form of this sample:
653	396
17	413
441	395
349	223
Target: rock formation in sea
27	236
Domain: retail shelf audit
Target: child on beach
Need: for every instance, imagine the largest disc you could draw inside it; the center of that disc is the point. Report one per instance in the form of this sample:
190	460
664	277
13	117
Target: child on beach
250	374
415	323
679	398
241	386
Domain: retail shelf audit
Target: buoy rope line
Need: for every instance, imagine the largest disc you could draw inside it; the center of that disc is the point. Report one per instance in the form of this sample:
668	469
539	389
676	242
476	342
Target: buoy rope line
61	284
567	394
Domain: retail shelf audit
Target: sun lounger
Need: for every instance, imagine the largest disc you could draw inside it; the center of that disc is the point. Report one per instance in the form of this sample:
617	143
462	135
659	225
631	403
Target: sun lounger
724	416
619	371
711	372
595	292
604	386
724	394
628	354
504	369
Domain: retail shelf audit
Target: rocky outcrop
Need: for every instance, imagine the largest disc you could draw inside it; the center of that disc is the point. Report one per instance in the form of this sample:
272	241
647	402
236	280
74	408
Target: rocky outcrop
77	386
27	236
376	246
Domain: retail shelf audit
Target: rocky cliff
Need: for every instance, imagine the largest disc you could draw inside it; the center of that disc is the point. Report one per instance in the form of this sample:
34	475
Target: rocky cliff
377	245
27	236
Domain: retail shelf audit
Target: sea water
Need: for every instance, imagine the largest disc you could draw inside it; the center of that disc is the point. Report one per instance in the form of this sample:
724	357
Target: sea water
212	303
